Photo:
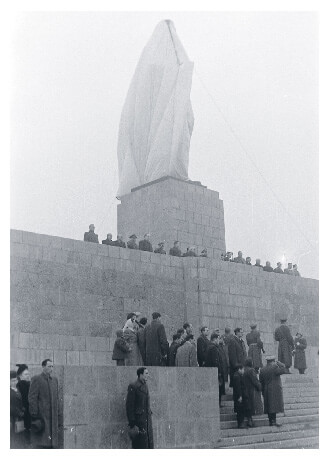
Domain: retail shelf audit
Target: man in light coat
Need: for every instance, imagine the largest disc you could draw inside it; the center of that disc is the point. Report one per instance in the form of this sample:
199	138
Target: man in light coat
186	354
45	408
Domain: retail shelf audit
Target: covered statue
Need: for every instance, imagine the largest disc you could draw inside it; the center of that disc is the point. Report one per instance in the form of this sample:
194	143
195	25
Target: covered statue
157	118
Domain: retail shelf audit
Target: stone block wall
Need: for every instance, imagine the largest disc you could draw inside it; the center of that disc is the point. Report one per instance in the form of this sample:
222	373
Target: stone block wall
171	209
184	404
68	297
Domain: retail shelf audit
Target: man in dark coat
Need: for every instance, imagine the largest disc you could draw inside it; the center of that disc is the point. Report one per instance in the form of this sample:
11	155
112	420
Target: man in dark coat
268	267
214	359
300	359
286	344
91	236
239	259
270	380
120	349
160	249
119	242
139	411
44	405
236	352
278	269
239	395
16	413
145	245
175	250
227	336
288	270
256	347
202	344
223	358
108	240
252	385
131	244
173	350
156	344
258	264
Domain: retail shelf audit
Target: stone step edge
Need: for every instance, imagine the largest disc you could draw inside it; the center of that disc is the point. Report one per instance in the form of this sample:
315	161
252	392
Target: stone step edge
250	438
313	442
234	432
282	419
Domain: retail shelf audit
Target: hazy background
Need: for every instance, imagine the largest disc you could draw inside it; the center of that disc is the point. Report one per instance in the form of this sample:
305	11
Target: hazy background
71	73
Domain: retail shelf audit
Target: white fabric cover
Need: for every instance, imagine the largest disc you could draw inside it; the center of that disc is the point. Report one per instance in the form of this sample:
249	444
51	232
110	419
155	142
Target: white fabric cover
157	118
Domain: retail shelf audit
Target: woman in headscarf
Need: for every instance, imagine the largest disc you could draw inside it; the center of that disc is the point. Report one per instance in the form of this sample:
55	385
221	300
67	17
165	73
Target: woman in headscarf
134	357
23	385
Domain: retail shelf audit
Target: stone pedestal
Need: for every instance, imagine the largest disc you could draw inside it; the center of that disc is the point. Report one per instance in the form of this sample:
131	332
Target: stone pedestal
171	209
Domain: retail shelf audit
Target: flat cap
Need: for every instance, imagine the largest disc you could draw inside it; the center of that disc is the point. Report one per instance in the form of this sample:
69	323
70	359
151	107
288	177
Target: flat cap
133	236
253	325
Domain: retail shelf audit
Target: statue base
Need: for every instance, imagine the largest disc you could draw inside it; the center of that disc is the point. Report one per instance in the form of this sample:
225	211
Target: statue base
172	209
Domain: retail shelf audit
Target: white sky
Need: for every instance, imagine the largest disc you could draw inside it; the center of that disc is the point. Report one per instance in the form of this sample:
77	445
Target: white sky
71	75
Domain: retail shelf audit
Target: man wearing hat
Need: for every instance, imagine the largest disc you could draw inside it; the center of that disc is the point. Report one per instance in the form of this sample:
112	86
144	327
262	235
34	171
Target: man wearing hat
255	347
278	269
131	244
160	248
91	236
145	244
236	352
286	343
175	250
45	408
270	380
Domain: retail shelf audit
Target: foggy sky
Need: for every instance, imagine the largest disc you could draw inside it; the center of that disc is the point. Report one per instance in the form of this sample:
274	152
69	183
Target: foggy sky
71	73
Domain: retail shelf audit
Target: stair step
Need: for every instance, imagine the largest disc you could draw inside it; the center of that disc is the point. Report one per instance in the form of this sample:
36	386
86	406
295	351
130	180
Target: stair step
228	409
287	400
301	392
299	412
298	379
306	443
263	420
225	433
298	385
252	438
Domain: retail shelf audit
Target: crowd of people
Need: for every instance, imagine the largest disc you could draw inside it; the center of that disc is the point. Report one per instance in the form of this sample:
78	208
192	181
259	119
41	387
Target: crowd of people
35	414
146	245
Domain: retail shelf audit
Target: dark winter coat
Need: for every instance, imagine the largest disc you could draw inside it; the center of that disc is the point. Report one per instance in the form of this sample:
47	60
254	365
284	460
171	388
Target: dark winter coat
44	404
214	359
278	270
239	390
90	237
108	242
252	385
145	245
132	245
161	251
139	414
300	359
227	338
202	345
16	414
121	349
190	253
224	361
255	348
141	341
119	243
172	354
268	268
270	380
24	387
286	344
156	344
175	251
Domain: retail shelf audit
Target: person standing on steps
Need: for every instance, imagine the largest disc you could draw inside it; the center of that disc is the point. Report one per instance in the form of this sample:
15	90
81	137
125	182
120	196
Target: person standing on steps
202	345
236	352
270	380
252	385
300	359
239	395
214	359
286	343
256	347
156	344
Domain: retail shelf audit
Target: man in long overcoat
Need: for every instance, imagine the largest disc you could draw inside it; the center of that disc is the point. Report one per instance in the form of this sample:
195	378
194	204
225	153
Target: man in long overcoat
252	385
214	359
270	380
44	405
236	352
239	395
202	345
156	344
286	344
139	411
300	359
223	358
256	347
186	354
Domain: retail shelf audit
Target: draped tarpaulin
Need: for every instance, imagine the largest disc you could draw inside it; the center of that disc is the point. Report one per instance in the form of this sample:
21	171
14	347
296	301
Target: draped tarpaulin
157	118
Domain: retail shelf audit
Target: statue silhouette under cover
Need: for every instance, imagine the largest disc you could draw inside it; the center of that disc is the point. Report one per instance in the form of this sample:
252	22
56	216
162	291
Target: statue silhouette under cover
157	118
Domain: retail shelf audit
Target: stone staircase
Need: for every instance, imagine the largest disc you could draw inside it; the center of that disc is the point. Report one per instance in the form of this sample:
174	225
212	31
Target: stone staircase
300	422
